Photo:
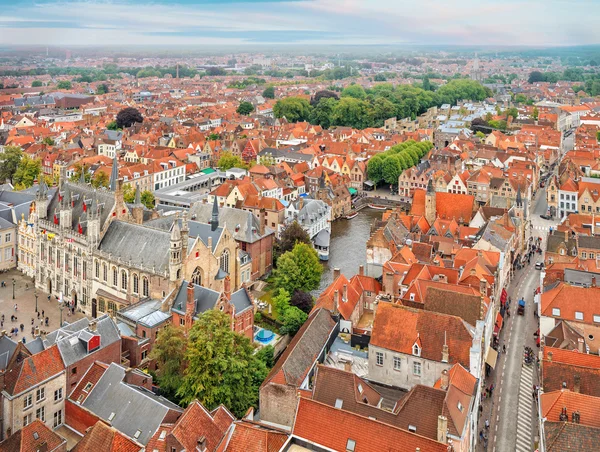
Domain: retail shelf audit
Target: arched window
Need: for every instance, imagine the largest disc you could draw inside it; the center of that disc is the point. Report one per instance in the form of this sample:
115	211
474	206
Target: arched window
101	305
104	272
136	283
145	286
225	261
115	277
123	280
97	269
178	273
197	277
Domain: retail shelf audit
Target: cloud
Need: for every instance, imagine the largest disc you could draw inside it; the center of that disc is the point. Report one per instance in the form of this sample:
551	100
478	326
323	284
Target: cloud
181	22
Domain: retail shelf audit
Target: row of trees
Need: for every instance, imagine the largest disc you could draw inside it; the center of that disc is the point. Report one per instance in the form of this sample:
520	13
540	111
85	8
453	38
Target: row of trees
213	364
360	108
389	165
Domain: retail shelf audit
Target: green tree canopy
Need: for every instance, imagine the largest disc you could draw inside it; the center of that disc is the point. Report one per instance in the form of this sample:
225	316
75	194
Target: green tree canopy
146	196
228	161
269	92
27	172
323	94
100	179
352	112
536	76
222	367
356	91
36	84
76	177
64	84
48	141
299	269
245	108
322	113
128	116
292	234
302	300
169	353
112	125
9	162
294	109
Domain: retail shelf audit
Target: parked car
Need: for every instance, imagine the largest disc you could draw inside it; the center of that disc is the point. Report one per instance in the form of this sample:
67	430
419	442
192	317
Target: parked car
545	216
539	265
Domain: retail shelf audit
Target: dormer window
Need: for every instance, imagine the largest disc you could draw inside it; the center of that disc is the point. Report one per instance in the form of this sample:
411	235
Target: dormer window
416	350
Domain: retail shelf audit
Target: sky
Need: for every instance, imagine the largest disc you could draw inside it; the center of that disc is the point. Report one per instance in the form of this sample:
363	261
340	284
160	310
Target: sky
299	22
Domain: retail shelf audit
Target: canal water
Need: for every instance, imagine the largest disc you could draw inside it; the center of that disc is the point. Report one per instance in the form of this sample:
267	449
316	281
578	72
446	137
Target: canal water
348	246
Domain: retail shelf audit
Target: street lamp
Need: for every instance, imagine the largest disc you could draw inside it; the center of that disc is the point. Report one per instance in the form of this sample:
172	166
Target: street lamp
14	282
60	308
36	297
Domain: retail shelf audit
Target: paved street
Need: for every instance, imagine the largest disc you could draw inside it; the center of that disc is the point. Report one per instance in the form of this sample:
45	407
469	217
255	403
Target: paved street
511	410
25	301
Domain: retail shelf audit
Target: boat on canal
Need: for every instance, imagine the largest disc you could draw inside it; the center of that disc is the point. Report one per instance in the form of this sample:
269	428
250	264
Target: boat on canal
377	207
352	215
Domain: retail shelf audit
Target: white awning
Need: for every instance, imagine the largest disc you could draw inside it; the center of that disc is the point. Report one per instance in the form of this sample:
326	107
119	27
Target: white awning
490	357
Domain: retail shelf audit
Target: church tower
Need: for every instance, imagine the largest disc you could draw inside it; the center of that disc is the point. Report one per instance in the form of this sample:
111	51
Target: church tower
430	204
175	257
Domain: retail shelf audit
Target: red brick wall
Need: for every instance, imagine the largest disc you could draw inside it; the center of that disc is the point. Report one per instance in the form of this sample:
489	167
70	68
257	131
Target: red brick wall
107	355
244	323
129	344
78	418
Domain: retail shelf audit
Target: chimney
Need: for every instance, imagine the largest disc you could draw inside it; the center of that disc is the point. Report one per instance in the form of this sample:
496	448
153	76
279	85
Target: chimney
227	287
347	366
483	287
581	345
190	304
445	354
550	356
445	381
576	383
92	326
442	429
201	444
361	270
593	281
481	307
336	273
566	235
261	217
336	302
345	293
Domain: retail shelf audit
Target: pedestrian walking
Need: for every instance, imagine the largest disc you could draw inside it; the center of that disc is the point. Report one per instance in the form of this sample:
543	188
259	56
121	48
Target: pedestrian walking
32	320
480	435
487	424
22	327
504	349
15	307
42	313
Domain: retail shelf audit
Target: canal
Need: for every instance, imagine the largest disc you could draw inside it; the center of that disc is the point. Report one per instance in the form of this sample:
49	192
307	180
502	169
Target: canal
348	249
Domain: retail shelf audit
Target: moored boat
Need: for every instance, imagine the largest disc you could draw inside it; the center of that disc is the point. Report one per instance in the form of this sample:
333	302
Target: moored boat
377	206
352	215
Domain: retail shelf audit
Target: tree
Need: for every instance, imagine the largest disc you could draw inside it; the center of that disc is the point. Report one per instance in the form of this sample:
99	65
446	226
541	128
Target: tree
298	269
76	177
375	168
392	168
512	112
100	179
169	353
535	114
520	98
380	78
102	89
36	84
269	92
598	136
536	76
48	141
383	109
64	84
294	109
27	172
293	319
214	137
245	108
267	355
323	94
322	112
213	71
222	367
147	198
9	162
290	236
228	161
128	116
426	84
356	91
112	125
480	135
353	113
302	300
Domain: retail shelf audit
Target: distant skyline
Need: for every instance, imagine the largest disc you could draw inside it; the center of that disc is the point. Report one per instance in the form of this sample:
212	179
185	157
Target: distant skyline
302	22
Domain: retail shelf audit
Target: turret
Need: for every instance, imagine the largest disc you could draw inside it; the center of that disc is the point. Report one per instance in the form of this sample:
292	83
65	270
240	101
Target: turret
137	211
214	220
175	258
66	207
114	174
93	221
41	201
185	233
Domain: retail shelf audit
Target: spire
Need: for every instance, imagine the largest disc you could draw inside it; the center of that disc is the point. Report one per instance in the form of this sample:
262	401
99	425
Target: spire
43	188
114	174
94	210
66	196
82	177
214	221
519	199
430	186
175	231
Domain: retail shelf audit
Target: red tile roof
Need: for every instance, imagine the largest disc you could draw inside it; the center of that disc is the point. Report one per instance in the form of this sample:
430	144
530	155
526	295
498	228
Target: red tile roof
587	406
104	438
33	370
249	437
314	421
24	440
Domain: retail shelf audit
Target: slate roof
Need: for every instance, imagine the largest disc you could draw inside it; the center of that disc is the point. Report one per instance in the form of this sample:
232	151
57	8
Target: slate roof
139	244
70	338
205	299
589	242
7	348
146	312
135	408
241	300
196	229
302	352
